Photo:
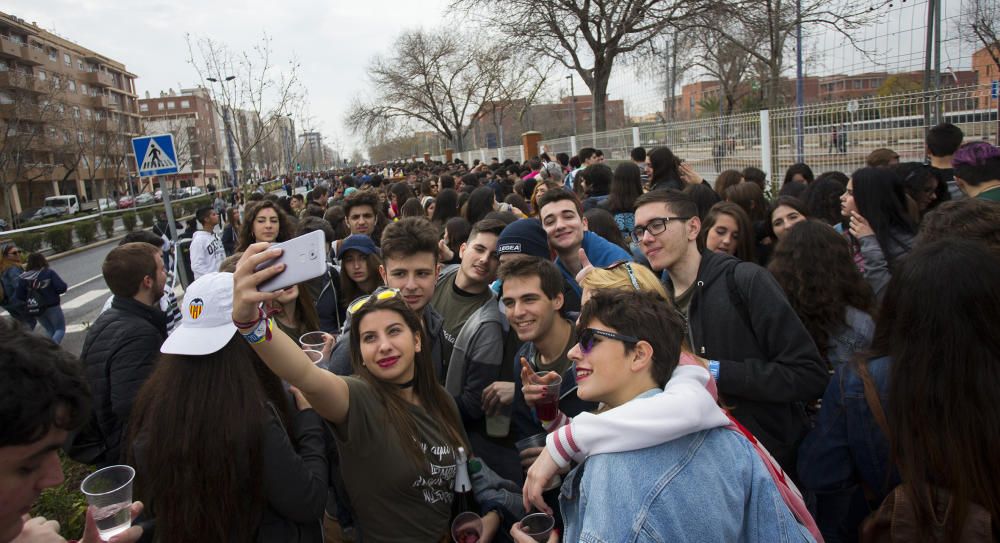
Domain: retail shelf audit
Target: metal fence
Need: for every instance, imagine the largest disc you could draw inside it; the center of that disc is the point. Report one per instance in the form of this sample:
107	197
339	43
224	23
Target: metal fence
828	136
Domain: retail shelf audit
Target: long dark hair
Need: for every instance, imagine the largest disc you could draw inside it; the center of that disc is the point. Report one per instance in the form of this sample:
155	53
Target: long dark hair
432	396
246	229
878	195
822	199
745	243
938	323
350	290
665	165
445	206
750	197
36	261
480	204
813	265
626	186
199	422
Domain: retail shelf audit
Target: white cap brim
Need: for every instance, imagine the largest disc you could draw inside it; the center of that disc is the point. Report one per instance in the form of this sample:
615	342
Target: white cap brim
188	340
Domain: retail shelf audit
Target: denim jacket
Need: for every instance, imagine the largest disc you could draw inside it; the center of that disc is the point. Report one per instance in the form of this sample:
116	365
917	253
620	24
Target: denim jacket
703	487
847	453
854	336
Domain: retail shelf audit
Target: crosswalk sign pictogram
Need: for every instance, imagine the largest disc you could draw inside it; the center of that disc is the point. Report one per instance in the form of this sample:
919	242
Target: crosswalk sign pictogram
155	155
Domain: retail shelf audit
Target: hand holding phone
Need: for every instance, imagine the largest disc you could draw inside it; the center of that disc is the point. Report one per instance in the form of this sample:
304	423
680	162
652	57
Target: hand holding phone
304	258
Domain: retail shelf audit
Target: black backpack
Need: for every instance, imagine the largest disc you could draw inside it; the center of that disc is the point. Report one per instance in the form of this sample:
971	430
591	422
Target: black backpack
33	301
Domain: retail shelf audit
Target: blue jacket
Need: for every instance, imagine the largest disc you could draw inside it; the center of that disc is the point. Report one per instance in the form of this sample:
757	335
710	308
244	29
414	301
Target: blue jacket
847	453
600	252
50	286
703	487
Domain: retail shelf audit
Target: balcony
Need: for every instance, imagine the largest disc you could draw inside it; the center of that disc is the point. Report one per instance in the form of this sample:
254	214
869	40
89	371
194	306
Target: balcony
10	48
33	55
99	78
24	112
101	101
21	82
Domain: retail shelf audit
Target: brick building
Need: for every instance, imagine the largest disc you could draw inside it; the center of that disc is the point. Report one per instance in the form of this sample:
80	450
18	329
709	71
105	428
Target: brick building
553	120
66	117
197	129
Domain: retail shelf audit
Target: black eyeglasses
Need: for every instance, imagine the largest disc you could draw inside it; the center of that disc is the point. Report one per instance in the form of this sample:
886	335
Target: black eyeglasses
586	338
654	226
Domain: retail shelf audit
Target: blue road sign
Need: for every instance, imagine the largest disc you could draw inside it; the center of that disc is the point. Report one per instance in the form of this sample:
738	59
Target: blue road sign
155	155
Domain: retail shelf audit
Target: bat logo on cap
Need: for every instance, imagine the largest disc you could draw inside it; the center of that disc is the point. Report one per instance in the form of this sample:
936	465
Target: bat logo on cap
195	307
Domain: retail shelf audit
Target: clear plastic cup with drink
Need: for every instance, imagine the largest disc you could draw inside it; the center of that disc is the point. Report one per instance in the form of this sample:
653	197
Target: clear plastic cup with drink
534	442
538	526
547	408
498	424
467	528
109	492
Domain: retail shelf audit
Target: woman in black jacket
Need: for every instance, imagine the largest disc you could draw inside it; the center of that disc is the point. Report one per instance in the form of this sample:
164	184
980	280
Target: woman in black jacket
39	288
218	451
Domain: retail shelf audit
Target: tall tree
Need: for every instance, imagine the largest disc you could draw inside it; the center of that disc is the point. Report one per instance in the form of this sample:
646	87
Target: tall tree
434	79
587	37
979	25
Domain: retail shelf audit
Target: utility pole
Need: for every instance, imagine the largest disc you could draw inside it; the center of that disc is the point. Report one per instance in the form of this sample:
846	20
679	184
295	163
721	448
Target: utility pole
799	85
229	133
572	97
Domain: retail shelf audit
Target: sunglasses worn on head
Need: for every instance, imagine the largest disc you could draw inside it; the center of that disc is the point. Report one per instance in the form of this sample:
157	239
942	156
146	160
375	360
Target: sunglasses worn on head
586	338
381	293
631	272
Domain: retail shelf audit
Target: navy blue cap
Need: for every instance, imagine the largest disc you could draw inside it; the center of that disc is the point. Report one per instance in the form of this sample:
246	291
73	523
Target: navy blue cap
358	242
524	236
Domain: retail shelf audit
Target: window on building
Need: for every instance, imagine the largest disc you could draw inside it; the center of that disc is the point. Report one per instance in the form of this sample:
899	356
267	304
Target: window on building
88	113
53	54
80	65
79	136
143	107
56	82
98	114
83	89
185	104
6	98
72	85
171	105
4	66
67	59
159	106
857	84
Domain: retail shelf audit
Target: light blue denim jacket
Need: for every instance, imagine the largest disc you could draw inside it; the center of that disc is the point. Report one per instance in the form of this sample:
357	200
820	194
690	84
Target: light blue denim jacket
703	487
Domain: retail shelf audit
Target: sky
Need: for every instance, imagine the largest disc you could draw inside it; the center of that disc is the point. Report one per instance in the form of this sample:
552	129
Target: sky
333	40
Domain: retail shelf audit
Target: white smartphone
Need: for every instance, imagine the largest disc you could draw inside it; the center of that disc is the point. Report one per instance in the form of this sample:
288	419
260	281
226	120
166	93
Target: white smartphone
304	258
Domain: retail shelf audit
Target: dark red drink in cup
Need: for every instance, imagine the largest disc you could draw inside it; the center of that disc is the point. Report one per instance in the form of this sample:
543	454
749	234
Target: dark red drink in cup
547	408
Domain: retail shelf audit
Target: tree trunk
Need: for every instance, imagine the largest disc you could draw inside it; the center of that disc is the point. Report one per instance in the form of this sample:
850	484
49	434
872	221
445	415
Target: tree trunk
602	74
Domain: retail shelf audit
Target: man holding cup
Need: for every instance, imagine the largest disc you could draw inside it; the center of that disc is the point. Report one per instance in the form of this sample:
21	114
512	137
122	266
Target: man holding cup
43	397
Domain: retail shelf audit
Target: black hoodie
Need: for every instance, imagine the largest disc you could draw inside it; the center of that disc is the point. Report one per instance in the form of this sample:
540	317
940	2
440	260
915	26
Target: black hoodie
769	366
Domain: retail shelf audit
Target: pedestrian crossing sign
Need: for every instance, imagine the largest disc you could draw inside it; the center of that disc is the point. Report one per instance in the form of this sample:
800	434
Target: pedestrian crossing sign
155	155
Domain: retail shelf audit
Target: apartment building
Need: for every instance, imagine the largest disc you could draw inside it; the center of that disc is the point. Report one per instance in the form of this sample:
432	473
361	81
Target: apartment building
199	138
67	116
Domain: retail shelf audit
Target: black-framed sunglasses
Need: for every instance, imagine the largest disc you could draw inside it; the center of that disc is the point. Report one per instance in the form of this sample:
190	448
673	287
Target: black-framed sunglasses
654	226
586	338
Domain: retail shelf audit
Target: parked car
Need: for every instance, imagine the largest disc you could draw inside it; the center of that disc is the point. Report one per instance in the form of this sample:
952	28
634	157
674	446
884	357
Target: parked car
144	199
194	191
158	195
46	212
106	204
126	202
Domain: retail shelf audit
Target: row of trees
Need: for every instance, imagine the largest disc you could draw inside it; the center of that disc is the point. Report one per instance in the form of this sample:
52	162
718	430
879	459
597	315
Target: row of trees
442	79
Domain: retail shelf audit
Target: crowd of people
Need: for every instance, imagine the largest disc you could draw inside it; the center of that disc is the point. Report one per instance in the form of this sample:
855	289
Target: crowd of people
641	353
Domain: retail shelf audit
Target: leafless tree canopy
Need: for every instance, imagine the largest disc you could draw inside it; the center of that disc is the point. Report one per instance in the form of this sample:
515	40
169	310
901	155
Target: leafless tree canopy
263	90
436	80
980	24
586	37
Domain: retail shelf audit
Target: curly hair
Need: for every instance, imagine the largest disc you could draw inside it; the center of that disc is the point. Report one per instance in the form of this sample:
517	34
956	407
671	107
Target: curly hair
813	265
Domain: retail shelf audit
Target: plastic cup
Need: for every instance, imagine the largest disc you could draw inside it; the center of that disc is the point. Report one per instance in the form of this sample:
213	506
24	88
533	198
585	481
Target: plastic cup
109	491
315	356
467	528
547	408
313	340
498	425
532	442
538	526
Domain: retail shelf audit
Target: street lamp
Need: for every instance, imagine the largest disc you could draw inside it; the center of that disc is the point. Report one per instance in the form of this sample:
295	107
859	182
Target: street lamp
573	100
229	133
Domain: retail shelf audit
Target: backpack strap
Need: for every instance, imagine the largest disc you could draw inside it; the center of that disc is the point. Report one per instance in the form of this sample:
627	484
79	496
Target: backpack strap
736	297
872	398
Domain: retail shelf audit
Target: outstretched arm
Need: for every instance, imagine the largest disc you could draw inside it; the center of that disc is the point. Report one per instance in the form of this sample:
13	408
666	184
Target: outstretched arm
327	392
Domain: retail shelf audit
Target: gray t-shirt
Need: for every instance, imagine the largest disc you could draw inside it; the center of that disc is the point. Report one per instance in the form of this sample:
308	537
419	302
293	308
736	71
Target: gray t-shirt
394	499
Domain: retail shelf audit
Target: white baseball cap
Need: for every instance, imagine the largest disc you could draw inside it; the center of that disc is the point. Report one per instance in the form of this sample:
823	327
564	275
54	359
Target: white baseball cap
207	317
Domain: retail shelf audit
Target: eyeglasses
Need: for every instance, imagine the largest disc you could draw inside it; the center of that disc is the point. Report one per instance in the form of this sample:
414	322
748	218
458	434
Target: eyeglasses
586	338
631	272
381	293
655	227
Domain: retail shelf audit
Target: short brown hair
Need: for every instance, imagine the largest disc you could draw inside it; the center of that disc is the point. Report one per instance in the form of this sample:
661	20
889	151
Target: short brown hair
127	265
408	237
361	198
528	266
678	202
880	157
643	315
558	195
969	218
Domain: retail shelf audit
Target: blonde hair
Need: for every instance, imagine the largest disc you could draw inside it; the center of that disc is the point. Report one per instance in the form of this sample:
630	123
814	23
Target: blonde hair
618	278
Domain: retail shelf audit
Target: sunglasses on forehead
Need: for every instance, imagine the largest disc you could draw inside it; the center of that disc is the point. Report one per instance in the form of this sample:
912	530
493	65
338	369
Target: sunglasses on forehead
381	293
586	338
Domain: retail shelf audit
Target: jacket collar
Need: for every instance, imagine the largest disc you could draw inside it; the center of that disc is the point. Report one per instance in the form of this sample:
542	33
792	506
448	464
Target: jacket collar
153	315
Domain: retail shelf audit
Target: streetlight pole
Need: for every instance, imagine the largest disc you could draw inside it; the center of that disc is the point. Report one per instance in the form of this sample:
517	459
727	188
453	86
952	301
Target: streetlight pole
572	93
229	134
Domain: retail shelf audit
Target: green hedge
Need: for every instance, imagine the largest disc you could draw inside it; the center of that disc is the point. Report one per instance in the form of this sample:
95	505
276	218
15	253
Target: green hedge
129	220
65	503
147	218
86	231
108	225
29	241
60	237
